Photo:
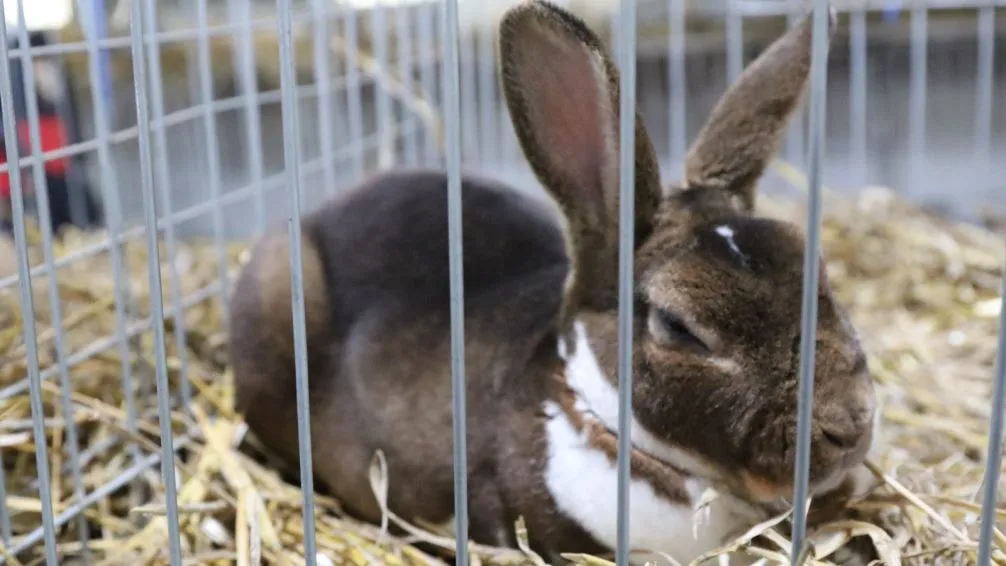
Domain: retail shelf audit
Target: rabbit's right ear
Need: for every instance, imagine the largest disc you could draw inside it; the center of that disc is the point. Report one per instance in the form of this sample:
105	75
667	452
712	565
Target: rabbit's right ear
747	125
562	91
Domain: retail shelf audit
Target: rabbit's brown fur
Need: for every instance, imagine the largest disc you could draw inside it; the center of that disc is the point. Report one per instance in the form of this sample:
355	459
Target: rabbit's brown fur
716	326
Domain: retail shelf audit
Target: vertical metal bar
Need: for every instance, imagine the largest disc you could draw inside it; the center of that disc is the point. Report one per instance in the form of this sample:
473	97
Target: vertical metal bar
438	93
857	86
59	337
811	271
917	94
993	461
111	197
291	158
27	300
983	105
245	68
212	141
67	112
336	105
189	10
626	238
795	138
323	79
379	37
6	530
353	101
99	22
427	54
735	40
136	41
190	133
487	96
452	112
677	87
467	80
403	25
163	183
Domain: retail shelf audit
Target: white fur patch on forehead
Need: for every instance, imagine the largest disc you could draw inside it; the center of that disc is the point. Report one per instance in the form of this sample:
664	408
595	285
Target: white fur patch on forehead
728	234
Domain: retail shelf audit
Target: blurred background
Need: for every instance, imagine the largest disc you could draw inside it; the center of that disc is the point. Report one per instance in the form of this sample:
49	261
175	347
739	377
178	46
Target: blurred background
909	98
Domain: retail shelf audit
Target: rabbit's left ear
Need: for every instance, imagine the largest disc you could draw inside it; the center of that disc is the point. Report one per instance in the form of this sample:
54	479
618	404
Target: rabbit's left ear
562	91
746	127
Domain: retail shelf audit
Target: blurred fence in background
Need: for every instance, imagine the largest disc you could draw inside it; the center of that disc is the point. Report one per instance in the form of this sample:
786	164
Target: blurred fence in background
909	95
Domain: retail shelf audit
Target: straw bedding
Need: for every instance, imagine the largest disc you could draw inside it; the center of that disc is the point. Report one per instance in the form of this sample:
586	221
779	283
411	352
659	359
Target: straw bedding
923	290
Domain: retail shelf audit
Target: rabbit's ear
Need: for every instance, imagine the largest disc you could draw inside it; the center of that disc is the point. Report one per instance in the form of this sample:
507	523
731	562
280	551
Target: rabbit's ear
745	128
562	91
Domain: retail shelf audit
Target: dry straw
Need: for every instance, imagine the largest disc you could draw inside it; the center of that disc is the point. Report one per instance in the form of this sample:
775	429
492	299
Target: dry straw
923	290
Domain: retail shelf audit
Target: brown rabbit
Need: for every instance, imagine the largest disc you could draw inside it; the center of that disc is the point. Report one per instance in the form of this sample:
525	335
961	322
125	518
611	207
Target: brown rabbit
717	323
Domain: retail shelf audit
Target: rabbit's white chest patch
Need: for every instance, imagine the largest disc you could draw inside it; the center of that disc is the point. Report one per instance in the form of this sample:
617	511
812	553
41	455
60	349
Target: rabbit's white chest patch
583	483
583	480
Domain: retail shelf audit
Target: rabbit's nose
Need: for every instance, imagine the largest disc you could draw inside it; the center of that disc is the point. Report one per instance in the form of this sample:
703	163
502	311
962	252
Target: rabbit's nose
854	432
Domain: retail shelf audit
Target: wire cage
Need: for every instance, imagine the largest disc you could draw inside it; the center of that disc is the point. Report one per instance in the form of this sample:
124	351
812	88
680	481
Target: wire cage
219	121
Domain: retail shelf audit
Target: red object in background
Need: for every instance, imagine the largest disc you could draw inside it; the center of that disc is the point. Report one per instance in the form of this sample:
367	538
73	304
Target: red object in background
4	177
53	135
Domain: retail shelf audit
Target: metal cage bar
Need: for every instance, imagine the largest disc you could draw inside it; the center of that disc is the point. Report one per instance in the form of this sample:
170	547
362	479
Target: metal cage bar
109	182
59	338
27	304
322	75
676	76
137	40
993	460
917	101
811	275
626	248
212	158
459	391
735	40
169	119
985	72
486	66
426	33
163	188
404	29
858	91
245	70
379	39
291	160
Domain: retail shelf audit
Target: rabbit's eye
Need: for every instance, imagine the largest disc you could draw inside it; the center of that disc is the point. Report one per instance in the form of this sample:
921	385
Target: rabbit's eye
670	330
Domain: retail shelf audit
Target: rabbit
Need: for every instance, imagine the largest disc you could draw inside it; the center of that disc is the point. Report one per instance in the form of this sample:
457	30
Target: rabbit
716	327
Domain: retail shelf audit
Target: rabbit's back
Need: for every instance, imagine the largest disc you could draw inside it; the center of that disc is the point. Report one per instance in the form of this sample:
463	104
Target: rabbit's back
377	290
386	242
